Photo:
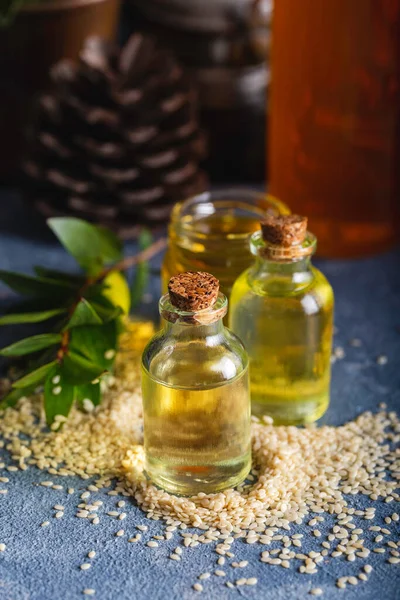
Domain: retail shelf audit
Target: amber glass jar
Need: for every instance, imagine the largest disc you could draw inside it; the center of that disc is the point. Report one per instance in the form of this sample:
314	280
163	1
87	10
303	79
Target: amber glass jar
334	132
210	232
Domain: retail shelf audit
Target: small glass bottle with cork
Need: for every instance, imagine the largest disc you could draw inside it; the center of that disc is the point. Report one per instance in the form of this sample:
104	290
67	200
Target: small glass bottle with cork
282	310
196	400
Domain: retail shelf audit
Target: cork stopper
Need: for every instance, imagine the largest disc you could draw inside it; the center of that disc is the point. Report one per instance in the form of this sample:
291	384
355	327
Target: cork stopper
284	230
193	291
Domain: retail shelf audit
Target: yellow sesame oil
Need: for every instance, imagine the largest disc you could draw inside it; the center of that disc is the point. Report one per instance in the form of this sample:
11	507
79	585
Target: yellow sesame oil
210	233
283	313
203	248
196	439
196	403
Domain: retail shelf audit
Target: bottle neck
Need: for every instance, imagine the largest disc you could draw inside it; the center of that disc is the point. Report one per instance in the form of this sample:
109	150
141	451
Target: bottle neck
281	270
190	332
197	324
288	269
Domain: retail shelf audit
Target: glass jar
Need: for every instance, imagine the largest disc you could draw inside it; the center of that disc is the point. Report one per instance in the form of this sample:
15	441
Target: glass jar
282	310
210	231
334	131
196	402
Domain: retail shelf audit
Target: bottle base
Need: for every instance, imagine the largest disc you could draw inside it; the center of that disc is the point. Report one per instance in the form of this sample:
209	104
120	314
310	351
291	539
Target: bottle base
189	480
291	412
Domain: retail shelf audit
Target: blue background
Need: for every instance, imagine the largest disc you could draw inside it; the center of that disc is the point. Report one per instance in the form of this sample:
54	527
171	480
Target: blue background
43	563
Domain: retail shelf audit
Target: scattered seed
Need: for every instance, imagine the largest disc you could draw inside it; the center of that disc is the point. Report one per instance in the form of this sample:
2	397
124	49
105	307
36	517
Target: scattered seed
316	592
152	544
85	566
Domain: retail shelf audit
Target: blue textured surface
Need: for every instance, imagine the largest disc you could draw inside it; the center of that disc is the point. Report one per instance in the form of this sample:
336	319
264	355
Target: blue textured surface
43	563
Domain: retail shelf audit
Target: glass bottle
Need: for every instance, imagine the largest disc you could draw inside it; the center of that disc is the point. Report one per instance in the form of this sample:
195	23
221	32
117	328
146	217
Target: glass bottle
334	131
210	231
282	309
196	400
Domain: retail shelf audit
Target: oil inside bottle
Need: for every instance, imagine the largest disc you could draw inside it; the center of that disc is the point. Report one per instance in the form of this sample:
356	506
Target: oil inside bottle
210	233
283	312
196	439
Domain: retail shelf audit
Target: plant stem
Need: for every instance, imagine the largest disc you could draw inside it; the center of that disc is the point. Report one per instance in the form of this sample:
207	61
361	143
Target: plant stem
131	261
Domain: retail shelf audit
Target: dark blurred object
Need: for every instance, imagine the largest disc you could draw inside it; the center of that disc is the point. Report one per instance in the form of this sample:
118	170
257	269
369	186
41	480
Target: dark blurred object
116	139
335	120
225	43
40	35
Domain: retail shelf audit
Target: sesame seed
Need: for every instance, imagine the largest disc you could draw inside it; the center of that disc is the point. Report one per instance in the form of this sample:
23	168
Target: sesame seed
368	569
394	560
198	587
152	544
57	390
45	524
316	592
121	532
91	554
251	581
382	359
59	514
121	503
219	573
2	547
89	591
85	566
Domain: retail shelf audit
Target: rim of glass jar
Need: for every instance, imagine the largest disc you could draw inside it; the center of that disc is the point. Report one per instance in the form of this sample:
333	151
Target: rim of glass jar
243	199
259	247
209	315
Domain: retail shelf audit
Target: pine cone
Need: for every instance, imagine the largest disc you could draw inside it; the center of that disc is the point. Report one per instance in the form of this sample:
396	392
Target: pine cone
116	139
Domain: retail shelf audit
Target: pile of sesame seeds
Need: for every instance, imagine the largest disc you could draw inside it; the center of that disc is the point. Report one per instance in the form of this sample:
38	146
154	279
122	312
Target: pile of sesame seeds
310	477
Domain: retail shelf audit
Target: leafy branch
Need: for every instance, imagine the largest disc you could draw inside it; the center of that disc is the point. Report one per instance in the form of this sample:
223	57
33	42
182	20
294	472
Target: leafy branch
84	314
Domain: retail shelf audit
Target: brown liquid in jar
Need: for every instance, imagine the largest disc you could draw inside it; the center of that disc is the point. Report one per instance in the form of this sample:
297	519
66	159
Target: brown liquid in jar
334	143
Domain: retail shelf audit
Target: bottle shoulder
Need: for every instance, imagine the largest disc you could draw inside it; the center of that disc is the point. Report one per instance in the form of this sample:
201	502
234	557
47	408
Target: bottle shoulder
202	361
255	288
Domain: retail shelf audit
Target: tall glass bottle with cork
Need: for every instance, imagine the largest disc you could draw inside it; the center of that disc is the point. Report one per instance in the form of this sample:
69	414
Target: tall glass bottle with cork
282	309
196	401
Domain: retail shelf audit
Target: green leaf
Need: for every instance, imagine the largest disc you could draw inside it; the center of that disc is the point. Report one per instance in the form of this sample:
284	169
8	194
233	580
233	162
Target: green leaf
34	317
79	370
35	377
90	391
35	286
60	275
96	343
31	344
107	313
15	394
90	245
84	314
58	394
142	273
